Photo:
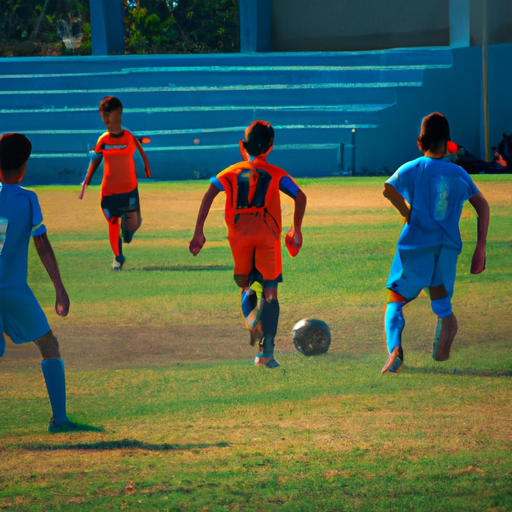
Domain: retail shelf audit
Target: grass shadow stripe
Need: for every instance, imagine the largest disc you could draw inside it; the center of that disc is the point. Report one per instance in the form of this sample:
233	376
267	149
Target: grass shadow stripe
123	444
179	268
461	371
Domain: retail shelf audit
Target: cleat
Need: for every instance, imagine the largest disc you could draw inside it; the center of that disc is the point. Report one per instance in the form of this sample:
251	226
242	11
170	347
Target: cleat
445	334
118	263
62	426
266	361
394	362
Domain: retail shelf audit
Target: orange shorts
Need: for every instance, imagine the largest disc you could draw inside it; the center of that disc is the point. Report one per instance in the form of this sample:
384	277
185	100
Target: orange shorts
255	242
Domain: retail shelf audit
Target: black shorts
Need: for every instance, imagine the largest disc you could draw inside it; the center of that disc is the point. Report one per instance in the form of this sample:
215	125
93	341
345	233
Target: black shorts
117	205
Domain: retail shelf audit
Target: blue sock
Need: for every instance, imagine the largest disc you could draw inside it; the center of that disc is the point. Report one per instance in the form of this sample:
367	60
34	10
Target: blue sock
442	307
53	372
268	346
394	324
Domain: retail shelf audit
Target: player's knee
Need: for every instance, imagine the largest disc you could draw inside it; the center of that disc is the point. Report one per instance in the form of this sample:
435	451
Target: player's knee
270	293
395	297
442	307
48	346
437	292
130	223
241	281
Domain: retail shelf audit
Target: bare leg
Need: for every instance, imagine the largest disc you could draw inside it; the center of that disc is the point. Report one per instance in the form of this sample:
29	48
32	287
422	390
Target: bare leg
48	346
447	325
130	223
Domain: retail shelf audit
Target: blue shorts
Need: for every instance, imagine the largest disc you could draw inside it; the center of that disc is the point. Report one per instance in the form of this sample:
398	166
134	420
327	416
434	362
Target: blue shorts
413	270
21	316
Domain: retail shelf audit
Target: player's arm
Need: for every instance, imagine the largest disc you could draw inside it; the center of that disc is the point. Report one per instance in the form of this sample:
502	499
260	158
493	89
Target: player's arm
293	238
198	240
45	251
95	162
483	212
397	201
147	170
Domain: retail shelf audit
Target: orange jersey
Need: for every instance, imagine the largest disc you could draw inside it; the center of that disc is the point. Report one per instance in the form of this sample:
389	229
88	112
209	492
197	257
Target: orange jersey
253	187
253	215
119	166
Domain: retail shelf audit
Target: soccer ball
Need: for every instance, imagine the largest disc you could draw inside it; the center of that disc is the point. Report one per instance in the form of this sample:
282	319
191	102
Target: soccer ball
311	337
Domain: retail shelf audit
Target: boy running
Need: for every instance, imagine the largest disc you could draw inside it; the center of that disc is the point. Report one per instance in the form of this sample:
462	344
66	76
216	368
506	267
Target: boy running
21	316
253	218
119	196
429	193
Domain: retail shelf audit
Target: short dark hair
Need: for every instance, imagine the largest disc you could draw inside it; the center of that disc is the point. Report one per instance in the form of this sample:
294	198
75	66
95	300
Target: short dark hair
15	150
259	138
435	131
110	103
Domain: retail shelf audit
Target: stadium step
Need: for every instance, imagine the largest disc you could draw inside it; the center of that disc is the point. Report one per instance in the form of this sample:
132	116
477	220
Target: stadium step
195	107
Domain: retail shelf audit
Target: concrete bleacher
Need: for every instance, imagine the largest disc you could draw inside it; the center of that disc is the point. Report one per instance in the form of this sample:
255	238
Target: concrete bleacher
195	107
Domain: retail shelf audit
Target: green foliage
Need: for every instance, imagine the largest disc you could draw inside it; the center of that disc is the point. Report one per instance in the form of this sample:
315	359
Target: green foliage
31	27
183	26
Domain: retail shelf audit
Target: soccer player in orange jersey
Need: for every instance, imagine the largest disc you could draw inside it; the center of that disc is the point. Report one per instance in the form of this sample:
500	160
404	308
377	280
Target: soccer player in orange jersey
119	191
253	218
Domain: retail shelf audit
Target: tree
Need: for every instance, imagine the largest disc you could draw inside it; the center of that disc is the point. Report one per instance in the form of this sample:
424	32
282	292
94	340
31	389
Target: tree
31	27
35	27
183	26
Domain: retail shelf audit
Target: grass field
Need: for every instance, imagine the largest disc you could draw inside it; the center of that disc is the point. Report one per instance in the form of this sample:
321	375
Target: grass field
173	414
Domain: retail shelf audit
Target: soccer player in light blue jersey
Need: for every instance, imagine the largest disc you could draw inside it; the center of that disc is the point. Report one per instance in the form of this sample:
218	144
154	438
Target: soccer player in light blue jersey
429	193
21	316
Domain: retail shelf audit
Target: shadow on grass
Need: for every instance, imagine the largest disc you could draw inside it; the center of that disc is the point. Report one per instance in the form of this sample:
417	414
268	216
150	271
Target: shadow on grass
180	268
82	427
123	444
461	371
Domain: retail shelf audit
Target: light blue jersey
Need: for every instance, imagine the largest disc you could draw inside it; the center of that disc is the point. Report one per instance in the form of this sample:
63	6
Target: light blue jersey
436	191
21	215
21	317
430	242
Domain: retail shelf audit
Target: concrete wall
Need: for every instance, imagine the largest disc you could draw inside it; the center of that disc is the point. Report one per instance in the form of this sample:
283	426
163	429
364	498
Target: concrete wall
326	25
500	95
343	25
499	21
455	92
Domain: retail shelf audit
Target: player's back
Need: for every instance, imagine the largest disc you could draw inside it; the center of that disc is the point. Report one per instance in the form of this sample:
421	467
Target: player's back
252	186
436	191
19	209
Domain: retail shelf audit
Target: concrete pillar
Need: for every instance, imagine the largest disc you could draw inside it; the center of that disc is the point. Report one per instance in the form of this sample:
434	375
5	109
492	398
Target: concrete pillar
107	29
255	25
460	26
